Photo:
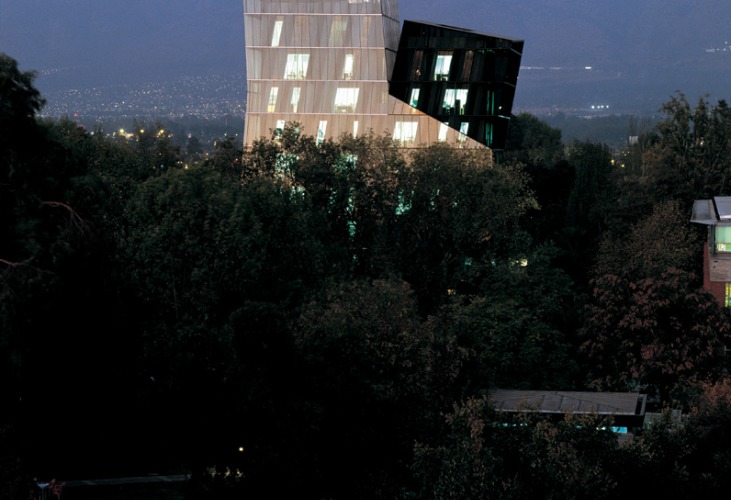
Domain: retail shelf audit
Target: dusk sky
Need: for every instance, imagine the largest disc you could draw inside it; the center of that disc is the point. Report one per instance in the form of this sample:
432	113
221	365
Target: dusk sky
99	41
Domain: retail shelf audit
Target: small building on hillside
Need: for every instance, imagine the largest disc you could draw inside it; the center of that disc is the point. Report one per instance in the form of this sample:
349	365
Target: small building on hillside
716	214
626	410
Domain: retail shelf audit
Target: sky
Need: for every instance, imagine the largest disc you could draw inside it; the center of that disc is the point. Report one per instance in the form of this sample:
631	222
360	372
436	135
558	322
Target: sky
661	43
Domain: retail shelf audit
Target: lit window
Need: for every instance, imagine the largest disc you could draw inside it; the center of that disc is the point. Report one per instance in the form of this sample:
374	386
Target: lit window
337	32
414	101
727	301
455	99
348	67
355	128
443	129
280	124
723	238
444	61
296	68
321	131
463	128
405	132
272	99
295	99
277	33
346	99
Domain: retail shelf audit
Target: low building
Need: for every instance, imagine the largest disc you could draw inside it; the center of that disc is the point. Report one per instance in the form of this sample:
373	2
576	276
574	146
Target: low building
626	410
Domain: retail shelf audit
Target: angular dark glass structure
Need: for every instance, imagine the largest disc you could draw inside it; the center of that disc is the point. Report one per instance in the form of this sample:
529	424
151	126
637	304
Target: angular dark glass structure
336	66
460	77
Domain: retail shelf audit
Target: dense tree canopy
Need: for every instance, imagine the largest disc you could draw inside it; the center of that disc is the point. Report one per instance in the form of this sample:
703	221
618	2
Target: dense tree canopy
338	311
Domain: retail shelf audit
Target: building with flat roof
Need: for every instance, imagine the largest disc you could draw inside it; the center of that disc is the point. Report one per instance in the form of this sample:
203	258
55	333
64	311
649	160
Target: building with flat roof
344	67
626	410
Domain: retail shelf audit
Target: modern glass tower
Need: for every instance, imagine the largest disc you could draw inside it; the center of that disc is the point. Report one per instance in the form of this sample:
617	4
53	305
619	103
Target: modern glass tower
328	64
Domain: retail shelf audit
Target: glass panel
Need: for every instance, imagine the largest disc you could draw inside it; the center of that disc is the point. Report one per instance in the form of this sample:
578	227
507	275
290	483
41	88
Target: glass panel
467	68
355	128
463	128
346	99
727	302
277	33
295	99
405	132
414	101
272	99
416	65
443	129
321	131
723	238
444	61
296	68
348	67
337	31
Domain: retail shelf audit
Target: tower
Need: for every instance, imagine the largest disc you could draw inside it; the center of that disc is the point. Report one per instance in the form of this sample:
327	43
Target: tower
328	64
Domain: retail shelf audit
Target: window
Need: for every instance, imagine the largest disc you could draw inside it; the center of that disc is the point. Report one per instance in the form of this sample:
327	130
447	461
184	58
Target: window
416	65
443	129
355	128
348	67
272	104
405	132
321	131
346	99
294	102
463	128
444	61
280	124
277	33
490	102
337	32
467	68
414	100
723	238
727	297
296	68
454	101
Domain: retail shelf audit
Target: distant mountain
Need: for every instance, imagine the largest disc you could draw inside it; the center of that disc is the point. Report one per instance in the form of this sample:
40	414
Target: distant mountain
639	52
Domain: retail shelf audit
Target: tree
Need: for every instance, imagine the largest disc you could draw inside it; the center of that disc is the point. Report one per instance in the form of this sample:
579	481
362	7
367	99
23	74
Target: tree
485	454
656	334
374	376
661	241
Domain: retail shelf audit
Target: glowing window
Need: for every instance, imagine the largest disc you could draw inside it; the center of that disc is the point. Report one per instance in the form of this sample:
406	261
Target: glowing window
451	98
321	131
296	68
294	102
723	238
727	301
443	129
280	124
272	104
348	67
355	128
405	132
277	33
414	100
463	128
444	61
346	99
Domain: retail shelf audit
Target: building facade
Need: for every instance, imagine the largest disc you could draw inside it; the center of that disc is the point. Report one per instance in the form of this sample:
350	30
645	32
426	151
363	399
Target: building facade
716	214
329	65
